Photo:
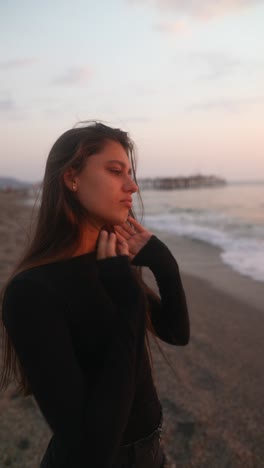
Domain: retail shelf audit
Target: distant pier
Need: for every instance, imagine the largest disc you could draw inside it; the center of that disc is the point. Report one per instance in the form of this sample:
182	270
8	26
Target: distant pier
172	183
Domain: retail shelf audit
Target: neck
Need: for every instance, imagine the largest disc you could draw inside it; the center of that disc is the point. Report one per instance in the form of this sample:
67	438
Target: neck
89	236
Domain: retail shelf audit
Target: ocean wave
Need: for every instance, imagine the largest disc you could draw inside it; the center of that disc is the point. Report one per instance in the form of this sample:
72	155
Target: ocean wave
242	244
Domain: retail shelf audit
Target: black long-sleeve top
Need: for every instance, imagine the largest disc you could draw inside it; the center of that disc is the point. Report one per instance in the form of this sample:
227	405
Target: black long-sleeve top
78	327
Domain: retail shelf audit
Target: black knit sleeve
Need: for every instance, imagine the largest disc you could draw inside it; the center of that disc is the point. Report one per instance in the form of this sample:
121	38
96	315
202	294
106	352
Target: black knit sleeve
169	314
88	423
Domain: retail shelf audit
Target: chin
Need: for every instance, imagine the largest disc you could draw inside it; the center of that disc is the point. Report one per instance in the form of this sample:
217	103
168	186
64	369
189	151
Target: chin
113	219
117	220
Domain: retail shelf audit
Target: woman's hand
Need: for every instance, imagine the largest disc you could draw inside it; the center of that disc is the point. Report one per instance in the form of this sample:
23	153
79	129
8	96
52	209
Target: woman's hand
109	246
135	237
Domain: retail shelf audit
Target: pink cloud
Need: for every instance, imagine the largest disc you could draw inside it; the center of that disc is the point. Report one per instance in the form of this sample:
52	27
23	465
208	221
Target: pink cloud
203	9
177	27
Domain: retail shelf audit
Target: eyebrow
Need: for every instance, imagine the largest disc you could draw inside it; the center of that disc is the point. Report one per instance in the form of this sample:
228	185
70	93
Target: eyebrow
121	163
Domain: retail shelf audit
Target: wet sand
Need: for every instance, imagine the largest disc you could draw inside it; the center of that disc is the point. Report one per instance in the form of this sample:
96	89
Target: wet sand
213	404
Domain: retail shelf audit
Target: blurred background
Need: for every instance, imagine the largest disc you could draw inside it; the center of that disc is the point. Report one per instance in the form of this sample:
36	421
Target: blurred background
185	79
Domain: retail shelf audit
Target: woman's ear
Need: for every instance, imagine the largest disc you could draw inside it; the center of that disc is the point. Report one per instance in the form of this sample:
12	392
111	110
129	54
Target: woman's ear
70	180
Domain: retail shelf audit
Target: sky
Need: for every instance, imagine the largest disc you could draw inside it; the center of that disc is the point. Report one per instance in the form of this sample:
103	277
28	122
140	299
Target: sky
184	78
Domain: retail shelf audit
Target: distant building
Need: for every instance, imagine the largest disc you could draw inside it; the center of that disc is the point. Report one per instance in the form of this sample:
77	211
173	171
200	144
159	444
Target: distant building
172	183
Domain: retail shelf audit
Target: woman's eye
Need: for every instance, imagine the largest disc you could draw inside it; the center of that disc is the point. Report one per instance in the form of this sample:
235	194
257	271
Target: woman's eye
116	171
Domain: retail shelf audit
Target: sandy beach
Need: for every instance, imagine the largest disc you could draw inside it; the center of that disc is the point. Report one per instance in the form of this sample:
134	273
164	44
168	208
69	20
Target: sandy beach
214	402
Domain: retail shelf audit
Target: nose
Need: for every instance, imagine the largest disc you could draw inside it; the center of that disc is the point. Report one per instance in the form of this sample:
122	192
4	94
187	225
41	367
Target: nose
130	186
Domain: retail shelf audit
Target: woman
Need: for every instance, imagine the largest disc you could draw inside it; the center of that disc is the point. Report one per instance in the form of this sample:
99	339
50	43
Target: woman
76	310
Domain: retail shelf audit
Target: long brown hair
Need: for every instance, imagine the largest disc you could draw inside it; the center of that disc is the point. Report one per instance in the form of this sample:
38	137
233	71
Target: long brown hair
59	221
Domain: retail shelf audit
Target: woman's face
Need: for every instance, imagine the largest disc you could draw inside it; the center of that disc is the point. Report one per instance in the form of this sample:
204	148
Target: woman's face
105	187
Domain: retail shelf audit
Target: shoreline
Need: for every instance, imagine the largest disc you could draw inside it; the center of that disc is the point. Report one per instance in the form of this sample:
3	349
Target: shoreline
202	260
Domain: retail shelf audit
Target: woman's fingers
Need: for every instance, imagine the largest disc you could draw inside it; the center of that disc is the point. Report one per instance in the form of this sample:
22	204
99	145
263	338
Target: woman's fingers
135	224
126	240
121	230
119	237
122	247
127	230
106	245
111	245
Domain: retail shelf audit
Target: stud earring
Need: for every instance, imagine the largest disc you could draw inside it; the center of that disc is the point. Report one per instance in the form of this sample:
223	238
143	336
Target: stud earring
74	188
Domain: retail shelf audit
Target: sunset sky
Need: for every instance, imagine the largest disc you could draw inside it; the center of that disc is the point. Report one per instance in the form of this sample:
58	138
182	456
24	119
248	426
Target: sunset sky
185	78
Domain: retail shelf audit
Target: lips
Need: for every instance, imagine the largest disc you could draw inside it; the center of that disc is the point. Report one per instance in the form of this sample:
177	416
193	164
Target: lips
127	202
